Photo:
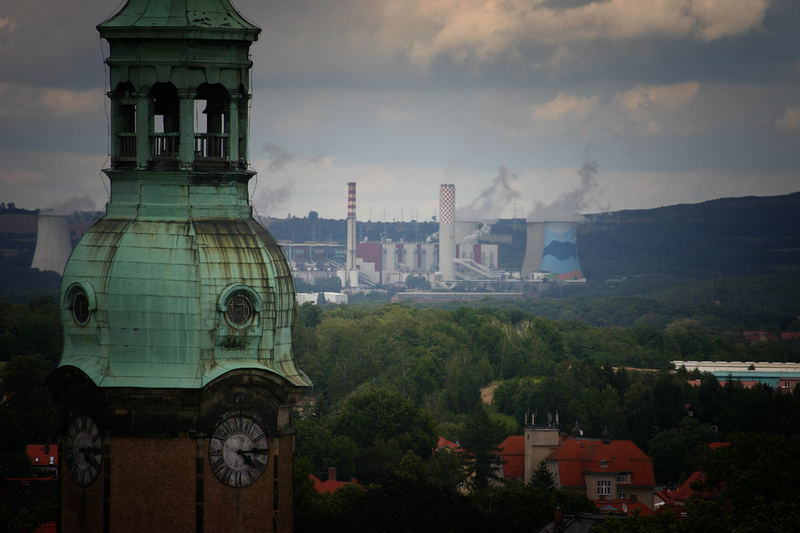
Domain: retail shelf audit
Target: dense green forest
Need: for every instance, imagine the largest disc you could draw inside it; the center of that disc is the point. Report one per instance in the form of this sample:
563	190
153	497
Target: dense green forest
390	379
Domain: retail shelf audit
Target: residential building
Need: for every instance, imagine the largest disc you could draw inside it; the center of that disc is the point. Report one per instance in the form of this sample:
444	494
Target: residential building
603	469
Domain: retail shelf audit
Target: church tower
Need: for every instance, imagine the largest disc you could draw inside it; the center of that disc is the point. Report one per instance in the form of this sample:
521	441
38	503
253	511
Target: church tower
177	375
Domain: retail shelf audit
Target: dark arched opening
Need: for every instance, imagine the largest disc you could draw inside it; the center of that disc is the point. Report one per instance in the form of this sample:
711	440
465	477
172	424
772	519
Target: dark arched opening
165	125
211	124
123	114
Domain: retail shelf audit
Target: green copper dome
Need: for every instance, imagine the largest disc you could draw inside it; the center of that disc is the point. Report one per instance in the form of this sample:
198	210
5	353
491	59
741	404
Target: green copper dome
157	292
215	19
177	285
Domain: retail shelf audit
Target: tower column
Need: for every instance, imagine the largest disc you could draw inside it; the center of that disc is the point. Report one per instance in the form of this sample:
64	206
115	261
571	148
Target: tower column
186	142
142	130
244	101
233	130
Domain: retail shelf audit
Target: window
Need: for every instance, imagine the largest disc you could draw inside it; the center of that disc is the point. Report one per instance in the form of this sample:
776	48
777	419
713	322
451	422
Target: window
622	478
604	487
603	463
240	305
79	300
238	309
80	309
621	494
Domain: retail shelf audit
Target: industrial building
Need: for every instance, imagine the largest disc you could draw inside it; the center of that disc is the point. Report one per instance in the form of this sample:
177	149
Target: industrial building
462	253
472	255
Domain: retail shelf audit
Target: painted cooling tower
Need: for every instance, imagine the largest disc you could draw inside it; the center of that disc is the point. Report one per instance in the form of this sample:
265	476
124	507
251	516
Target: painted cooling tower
53	244
351	227
552	247
447	235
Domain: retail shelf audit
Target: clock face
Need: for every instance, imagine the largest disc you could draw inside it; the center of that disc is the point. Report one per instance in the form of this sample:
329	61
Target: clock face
238	451
83	451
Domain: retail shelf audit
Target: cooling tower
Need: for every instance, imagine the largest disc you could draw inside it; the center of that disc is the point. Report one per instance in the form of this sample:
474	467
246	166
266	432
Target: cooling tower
351	227
552	247
533	249
447	236
53	244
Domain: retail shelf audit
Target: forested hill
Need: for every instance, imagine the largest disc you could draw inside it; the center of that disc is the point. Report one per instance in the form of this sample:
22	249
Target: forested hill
719	238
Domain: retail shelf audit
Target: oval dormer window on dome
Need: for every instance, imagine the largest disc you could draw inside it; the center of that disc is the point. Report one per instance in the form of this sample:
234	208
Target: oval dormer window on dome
238	310
239	304
80	300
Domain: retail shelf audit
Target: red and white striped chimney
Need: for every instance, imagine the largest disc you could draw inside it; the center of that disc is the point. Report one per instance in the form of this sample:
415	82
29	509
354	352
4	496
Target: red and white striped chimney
351	228
447	230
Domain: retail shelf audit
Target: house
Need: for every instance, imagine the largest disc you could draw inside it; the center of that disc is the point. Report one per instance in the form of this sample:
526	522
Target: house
44	458
676	499
512	455
603	470
450	446
331	485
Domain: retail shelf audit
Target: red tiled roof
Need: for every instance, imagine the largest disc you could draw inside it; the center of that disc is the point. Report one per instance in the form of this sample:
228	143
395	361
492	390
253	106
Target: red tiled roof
512	453
577	456
330	485
448	444
43	454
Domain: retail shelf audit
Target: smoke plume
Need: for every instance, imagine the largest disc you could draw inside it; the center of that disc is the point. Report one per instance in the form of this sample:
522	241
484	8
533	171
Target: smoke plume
492	201
280	157
567	207
73	204
269	202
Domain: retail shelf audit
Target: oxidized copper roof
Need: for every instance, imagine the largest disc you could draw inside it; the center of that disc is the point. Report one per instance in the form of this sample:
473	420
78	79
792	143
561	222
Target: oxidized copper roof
157	285
197	19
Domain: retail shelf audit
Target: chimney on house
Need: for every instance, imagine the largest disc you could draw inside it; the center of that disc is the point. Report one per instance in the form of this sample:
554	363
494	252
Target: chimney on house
331	473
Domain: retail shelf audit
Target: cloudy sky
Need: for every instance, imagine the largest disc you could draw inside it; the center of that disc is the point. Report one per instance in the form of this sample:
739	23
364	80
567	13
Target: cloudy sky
527	106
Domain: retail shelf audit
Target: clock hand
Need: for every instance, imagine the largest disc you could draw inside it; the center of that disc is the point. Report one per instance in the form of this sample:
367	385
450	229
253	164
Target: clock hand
254	450
246	458
88	452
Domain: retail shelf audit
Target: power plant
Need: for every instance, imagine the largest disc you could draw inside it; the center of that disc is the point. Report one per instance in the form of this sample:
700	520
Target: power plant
53	243
462	255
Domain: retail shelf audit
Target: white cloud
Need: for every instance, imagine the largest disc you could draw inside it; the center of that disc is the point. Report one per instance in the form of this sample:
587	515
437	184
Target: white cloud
563	105
480	30
658	97
790	121
17	99
722	18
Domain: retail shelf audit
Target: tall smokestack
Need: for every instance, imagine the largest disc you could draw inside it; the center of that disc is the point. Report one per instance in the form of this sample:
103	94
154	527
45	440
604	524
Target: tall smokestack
350	265
447	231
53	244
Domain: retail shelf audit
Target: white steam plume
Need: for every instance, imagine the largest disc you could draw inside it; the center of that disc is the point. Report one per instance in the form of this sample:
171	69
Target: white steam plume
492	201
569	204
70	206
